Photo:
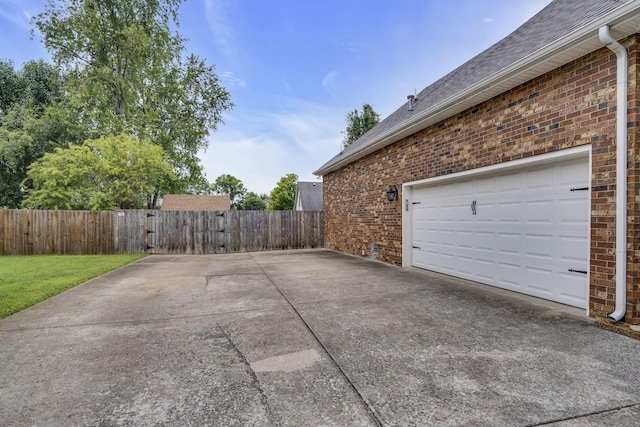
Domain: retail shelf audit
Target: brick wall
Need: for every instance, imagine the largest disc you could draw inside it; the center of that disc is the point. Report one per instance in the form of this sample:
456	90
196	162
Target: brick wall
571	106
633	195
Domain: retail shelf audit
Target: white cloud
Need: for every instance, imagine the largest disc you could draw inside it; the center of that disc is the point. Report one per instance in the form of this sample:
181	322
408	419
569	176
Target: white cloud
15	12
229	78
299	138
217	19
488	20
329	81
310	126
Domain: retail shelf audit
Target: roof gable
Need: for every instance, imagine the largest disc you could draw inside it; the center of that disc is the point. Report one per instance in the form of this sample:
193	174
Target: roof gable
308	196
191	202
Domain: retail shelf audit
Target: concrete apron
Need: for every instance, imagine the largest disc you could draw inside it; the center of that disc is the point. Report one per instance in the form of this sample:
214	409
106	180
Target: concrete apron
308	338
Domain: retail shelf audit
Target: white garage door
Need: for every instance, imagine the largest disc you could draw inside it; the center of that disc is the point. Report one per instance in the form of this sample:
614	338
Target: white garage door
524	230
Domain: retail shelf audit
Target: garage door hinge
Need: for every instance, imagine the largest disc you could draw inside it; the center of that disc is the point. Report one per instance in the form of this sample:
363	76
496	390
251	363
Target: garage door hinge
580	189
571	270
416	247
416	203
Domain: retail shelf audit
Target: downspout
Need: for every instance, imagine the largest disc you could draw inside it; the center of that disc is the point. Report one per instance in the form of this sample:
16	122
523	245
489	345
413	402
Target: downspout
621	172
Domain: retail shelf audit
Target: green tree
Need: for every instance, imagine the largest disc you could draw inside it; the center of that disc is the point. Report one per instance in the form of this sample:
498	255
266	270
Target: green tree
41	84
31	123
9	85
115	172
253	202
14	150
229	184
284	193
128	71
358	123
200	186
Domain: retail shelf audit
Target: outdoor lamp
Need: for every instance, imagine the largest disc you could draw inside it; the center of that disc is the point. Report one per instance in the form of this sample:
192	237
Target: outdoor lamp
392	193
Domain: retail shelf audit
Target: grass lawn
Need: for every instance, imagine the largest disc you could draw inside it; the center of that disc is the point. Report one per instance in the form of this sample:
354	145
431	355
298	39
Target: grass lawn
27	280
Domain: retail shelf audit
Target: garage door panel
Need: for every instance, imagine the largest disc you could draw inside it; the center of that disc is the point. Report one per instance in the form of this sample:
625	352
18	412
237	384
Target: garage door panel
538	180
539	247
464	244
463	189
539	280
572	250
509	275
466	265
486	212
447	213
485	269
509	184
509	244
485	241
528	231
573	210
573	291
539	211
462	213
510	211
485	187
447	262
572	175
428	258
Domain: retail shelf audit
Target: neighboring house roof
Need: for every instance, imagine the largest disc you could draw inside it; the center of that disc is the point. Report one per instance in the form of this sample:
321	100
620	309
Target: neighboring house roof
190	202
562	32
308	196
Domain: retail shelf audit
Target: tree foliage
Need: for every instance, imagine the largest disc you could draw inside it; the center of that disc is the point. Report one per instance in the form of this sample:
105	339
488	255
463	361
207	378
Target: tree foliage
229	184
284	193
129	72
31	122
115	172
358	123
253	202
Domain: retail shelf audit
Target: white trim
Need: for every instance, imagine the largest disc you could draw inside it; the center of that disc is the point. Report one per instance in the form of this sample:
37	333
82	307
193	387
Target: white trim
589	234
556	156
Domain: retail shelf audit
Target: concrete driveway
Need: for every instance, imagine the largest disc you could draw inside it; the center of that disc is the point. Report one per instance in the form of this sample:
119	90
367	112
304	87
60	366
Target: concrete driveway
307	338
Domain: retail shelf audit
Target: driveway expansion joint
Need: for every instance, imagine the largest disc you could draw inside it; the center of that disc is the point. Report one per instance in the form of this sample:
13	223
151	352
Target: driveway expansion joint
588	414
365	402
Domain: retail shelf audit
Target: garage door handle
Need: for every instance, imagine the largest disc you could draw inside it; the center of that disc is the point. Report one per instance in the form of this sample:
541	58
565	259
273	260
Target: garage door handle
473	207
571	270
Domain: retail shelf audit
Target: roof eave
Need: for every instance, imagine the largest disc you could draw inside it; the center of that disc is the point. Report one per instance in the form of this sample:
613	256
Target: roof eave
622	21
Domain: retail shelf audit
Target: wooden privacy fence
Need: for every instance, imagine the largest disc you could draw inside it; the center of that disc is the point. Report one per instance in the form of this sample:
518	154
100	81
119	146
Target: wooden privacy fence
35	232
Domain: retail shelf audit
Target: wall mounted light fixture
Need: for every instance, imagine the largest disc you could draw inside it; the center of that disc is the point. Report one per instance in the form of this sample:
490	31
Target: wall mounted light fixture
392	193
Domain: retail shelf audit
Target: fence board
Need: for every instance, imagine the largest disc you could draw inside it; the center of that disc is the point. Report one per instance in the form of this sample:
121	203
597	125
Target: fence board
29	232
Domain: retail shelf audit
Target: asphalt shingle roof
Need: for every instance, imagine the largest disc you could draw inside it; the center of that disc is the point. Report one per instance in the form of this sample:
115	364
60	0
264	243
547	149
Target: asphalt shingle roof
191	202
309	194
559	18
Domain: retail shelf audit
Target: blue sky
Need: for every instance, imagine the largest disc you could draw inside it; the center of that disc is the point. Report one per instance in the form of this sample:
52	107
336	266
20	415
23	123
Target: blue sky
295	68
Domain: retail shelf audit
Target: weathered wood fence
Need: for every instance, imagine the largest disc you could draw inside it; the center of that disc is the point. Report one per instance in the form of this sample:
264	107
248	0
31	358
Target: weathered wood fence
35	232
